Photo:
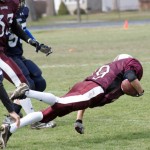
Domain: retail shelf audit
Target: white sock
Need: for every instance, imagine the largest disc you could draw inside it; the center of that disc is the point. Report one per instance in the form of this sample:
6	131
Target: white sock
42	96
27	120
27	105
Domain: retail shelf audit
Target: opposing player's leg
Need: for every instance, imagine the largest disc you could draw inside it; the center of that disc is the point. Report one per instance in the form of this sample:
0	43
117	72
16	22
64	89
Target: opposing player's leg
19	61
35	75
40	85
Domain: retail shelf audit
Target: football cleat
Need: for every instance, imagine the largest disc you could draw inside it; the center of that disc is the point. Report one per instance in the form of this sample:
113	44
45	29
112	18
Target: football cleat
79	127
40	125
4	135
9	120
19	93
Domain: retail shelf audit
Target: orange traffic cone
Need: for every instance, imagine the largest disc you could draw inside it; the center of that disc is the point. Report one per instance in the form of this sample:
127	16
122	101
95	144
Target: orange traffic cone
125	26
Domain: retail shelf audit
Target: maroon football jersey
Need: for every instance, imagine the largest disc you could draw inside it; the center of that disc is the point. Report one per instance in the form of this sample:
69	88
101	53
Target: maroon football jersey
111	75
7	13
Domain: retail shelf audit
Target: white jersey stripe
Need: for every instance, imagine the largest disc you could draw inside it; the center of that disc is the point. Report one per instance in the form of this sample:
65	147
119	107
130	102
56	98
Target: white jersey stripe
80	98
4	66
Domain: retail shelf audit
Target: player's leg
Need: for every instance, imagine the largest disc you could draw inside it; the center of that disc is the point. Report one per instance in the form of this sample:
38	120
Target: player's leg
19	61
35	75
25	103
83	95
78	98
82	91
40	85
11	71
13	74
31	71
6	130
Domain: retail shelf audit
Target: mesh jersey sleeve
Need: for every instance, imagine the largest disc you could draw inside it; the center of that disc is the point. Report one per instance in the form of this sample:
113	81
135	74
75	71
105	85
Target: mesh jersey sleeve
135	66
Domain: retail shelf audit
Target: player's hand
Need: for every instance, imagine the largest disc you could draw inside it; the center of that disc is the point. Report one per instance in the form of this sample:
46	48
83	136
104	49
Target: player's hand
79	127
140	94
16	118
44	49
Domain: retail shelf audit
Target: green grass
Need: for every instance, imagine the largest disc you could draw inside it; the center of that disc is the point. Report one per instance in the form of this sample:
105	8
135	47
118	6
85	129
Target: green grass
122	125
110	16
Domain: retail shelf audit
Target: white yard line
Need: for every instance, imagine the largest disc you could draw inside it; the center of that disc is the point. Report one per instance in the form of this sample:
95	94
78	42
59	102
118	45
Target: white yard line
66	66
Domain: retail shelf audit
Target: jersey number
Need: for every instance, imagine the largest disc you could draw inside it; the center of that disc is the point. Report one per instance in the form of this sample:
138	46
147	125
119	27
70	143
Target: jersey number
2	24
101	72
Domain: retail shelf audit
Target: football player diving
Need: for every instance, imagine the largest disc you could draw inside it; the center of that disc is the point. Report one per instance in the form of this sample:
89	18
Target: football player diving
101	88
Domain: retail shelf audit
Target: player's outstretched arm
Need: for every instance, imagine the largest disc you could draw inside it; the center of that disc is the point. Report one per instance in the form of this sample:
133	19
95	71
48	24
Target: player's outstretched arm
41	47
16	28
79	122
29	34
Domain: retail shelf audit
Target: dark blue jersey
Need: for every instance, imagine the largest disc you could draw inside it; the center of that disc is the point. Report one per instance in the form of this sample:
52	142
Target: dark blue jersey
14	43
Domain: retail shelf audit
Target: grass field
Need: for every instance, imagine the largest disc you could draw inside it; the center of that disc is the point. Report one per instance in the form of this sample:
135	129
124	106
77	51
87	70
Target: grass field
122	125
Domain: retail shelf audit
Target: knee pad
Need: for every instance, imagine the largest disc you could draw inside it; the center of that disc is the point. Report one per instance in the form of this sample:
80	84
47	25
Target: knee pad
40	83
31	82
